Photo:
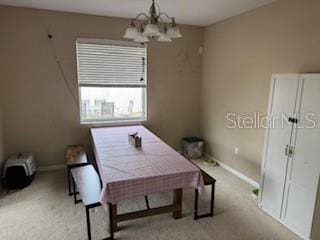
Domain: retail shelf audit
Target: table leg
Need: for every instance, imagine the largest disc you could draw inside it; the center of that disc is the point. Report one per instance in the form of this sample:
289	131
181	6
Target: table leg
113	217
177	201
111	220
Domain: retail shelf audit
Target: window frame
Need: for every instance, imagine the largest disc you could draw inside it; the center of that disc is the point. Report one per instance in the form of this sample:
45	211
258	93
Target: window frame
113	121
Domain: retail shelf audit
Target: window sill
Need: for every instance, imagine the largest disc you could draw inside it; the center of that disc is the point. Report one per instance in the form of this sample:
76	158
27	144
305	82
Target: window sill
116	123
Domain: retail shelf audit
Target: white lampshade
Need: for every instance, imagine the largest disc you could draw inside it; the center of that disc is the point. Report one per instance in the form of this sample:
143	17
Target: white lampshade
151	30
174	32
164	38
141	38
131	32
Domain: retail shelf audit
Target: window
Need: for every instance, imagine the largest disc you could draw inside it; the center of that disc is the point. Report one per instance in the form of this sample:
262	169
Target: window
112	80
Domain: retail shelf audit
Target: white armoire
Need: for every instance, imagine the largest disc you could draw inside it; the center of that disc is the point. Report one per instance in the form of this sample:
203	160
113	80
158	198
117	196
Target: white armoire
291	158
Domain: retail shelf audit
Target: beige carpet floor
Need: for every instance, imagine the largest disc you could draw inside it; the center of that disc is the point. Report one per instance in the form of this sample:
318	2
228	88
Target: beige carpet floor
44	211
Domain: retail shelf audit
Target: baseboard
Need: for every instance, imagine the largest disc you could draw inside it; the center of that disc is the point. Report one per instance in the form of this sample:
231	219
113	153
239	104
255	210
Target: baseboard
51	168
236	173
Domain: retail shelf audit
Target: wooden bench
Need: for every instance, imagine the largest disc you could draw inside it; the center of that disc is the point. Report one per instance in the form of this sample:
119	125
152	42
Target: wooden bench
208	180
87	180
75	157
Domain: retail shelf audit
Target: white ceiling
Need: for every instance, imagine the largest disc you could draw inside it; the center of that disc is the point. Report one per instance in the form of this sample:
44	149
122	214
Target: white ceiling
194	12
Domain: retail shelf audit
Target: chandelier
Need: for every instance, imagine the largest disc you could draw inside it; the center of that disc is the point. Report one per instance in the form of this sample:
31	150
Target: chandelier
152	26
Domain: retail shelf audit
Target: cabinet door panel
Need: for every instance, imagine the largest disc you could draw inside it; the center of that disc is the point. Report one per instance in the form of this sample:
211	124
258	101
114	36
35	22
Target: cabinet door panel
304	167
297	209
283	99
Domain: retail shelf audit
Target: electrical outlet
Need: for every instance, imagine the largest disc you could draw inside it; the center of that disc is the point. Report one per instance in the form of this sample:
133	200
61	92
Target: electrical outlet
236	151
200	50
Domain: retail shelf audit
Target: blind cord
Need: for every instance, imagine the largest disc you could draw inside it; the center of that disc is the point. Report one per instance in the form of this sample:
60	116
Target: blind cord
50	38
63	75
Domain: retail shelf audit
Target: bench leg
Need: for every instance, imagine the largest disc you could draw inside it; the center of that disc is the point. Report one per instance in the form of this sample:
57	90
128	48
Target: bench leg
212	200
177	200
147	201
88	223
74	191
195	217
69	182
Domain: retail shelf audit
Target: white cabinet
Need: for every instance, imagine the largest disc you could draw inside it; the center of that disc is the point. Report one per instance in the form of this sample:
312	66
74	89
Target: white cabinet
291	161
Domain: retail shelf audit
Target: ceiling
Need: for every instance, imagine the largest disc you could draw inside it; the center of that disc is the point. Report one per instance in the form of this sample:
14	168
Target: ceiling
193	12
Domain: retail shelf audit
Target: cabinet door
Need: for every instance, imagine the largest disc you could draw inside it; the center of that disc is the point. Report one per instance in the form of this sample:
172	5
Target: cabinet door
304	166
284	89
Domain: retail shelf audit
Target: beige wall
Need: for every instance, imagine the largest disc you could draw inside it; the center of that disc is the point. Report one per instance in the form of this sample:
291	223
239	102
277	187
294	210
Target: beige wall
40	115
2	154
240	54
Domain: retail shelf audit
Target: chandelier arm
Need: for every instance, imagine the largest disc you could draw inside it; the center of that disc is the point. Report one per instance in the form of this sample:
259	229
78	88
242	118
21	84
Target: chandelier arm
162	21
163	24
141	14
163	13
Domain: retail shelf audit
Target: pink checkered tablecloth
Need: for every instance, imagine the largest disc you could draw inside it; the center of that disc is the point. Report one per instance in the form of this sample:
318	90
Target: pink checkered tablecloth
127	172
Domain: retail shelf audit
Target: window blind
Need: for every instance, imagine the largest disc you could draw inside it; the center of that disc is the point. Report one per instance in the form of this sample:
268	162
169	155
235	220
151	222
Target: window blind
110	63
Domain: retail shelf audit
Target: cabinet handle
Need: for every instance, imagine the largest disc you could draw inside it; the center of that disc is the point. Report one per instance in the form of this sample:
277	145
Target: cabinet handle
291	151
293	120
286	151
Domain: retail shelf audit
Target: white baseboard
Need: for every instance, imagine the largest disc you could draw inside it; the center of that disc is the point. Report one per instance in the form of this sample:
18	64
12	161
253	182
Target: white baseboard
51	168
236	173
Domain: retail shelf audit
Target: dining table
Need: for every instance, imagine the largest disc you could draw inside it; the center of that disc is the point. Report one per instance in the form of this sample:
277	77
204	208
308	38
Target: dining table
127	172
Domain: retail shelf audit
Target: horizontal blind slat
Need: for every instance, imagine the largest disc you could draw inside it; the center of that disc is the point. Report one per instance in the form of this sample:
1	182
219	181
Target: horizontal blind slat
111	64
112	51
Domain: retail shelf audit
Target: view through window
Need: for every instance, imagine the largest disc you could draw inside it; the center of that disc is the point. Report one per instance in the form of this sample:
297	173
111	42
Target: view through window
112	81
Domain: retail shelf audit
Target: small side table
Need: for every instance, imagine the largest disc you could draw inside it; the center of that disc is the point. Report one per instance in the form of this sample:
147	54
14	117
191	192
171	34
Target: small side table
76	157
